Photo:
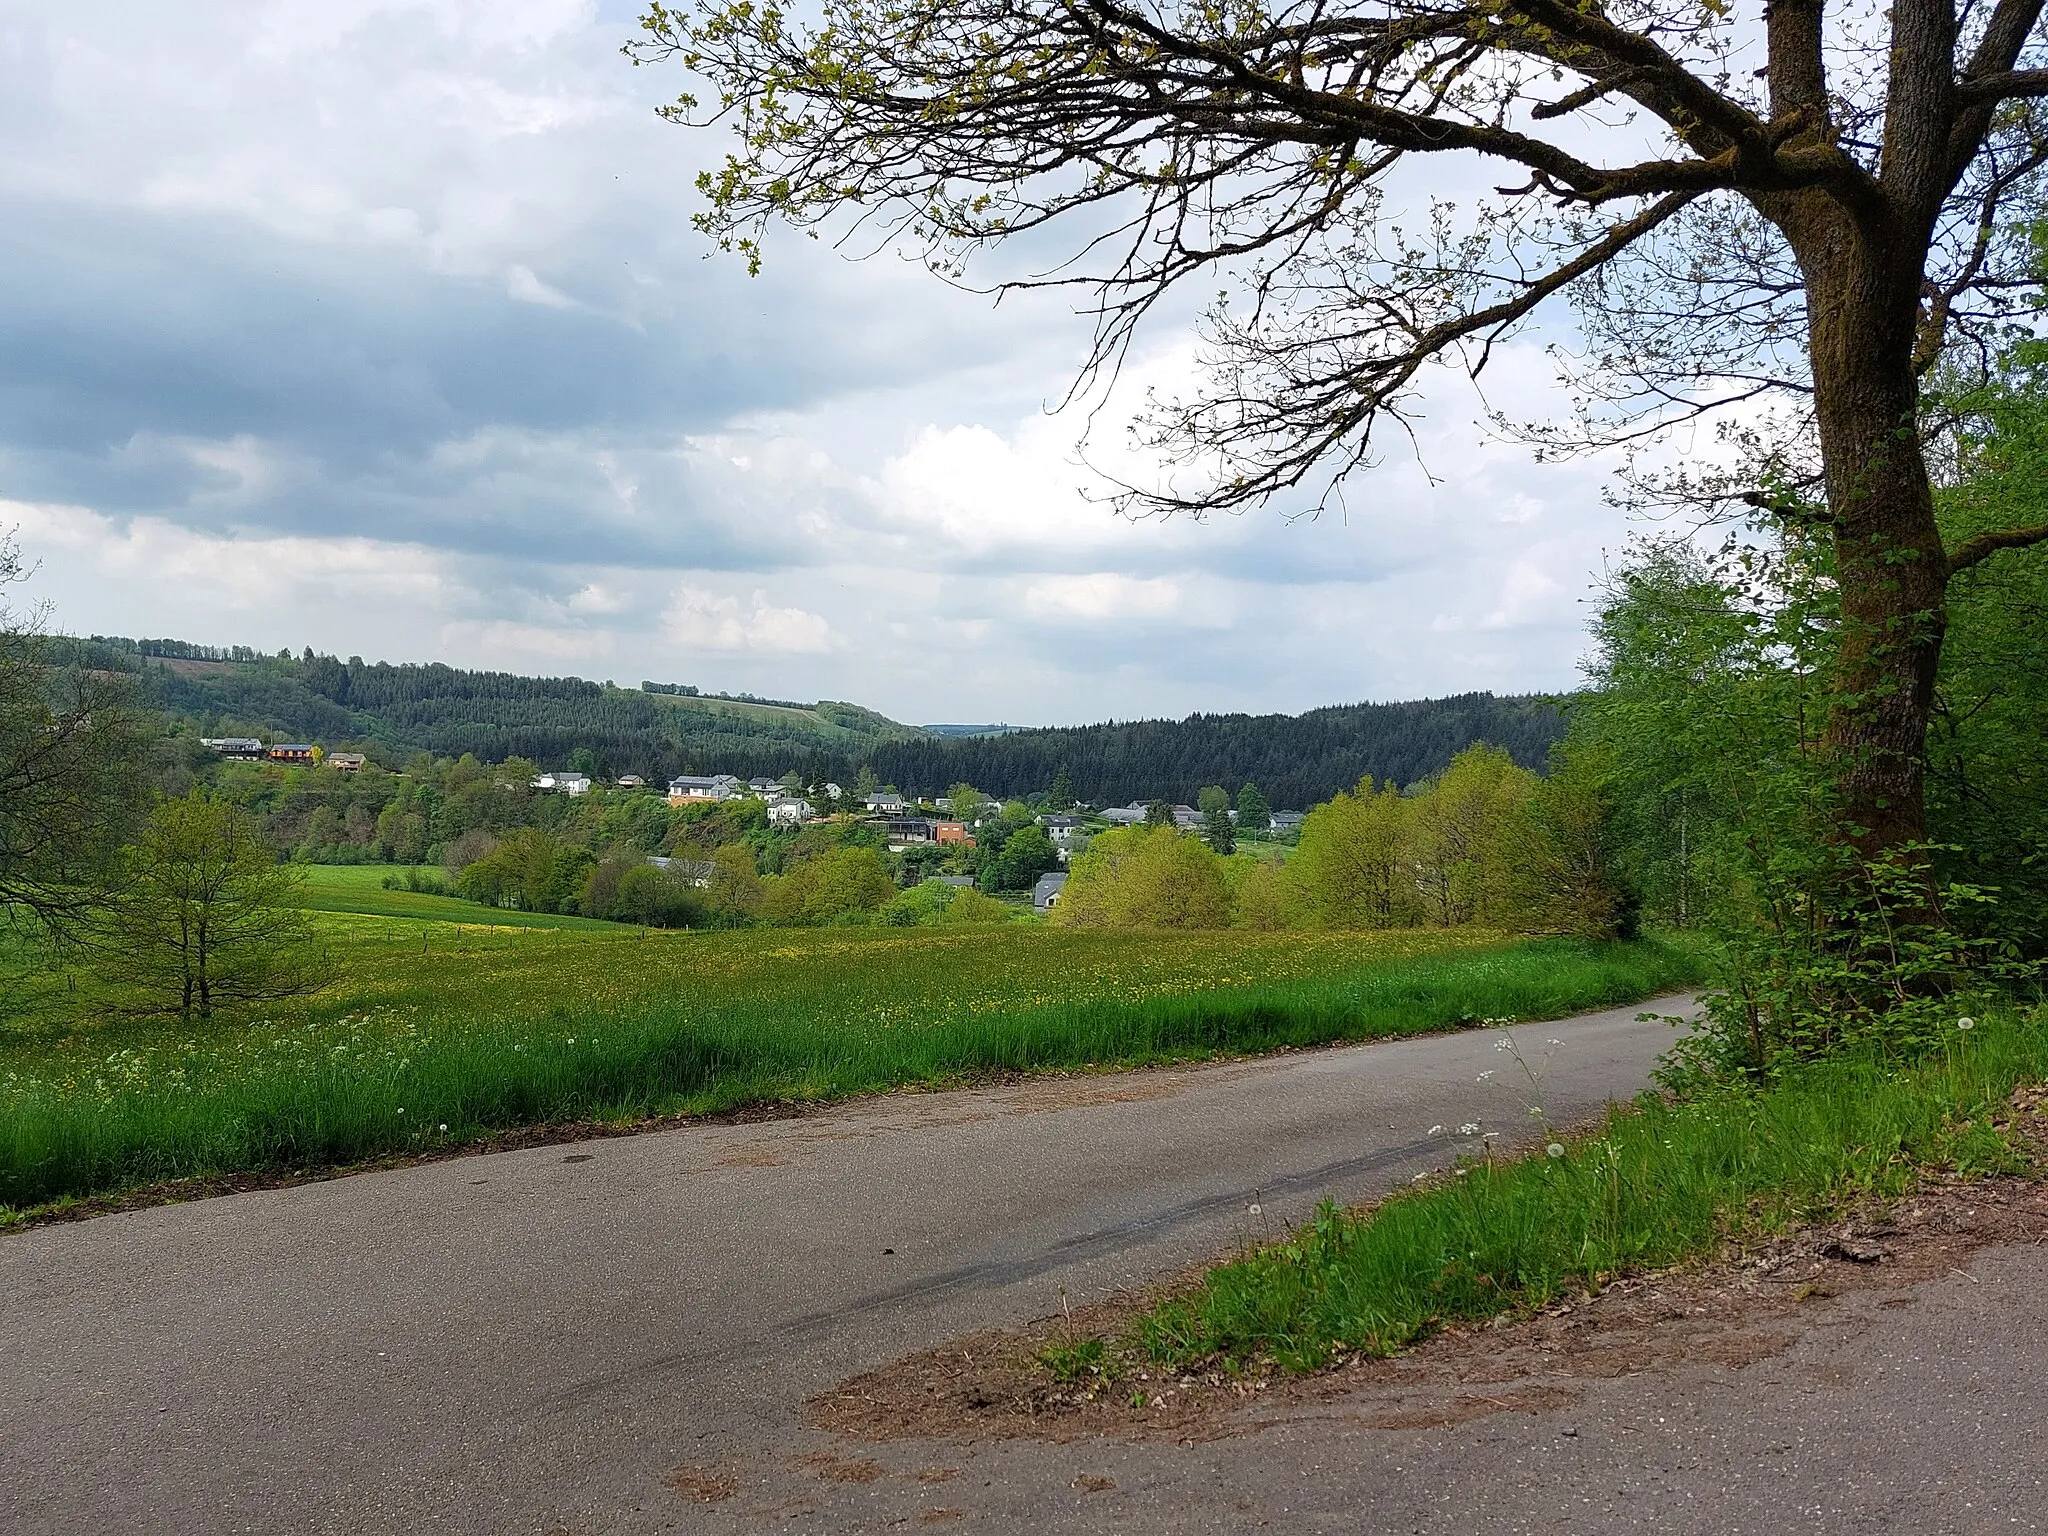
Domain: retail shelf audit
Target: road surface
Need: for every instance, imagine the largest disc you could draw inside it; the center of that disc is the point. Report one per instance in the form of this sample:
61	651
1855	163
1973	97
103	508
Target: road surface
530	1341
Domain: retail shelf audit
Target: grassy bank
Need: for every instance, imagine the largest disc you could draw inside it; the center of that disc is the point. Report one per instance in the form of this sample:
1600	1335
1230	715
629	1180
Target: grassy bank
421	1050
1655	1184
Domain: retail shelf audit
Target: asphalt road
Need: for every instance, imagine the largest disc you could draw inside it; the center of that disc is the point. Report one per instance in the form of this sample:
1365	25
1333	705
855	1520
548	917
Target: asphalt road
530	1341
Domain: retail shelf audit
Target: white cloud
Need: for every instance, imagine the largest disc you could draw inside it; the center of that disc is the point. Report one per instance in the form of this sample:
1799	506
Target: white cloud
700	620
1102	597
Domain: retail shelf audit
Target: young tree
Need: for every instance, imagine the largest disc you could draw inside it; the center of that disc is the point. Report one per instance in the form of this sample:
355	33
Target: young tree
1810	239
202	917
965	802
1212	797
1159	814
1253	814
735	886
1061	796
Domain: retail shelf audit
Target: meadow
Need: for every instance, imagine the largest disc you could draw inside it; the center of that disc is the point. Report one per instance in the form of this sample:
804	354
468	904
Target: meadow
439	1032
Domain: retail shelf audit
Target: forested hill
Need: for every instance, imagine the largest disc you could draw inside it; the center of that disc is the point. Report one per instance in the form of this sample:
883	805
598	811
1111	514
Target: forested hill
1297	760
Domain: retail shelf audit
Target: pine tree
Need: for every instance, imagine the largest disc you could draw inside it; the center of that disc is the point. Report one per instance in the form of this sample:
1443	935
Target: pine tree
1061	796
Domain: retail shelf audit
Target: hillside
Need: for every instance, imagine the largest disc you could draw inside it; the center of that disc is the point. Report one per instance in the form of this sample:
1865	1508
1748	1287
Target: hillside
1296	760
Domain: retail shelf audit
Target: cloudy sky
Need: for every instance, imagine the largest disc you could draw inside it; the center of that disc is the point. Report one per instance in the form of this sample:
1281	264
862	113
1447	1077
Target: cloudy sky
379	326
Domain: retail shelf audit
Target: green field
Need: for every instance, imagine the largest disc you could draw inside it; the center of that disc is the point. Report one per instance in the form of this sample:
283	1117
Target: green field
360	888
436	1032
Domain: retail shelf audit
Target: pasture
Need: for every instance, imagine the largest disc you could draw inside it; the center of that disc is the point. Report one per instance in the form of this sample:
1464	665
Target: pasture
437	1032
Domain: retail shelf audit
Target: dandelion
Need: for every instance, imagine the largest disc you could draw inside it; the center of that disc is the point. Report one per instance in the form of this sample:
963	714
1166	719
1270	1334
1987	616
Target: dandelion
444	1130
1966	1023
401	1109
1555	1149
1254	1210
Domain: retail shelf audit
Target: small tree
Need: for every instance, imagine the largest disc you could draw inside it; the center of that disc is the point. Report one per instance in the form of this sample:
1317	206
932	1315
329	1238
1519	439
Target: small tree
1253	814
202	917
965	802
1213	797
1159	814
1061	796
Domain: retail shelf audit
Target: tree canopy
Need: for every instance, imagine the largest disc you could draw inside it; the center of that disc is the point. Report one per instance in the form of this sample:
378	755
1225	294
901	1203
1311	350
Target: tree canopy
1807	213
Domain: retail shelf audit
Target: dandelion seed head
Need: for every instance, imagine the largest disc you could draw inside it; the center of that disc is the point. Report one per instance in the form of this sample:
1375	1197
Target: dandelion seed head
1966	1023
1555	1149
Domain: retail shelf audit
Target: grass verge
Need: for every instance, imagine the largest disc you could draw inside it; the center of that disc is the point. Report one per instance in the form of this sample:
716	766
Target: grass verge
293	1102
1654	1184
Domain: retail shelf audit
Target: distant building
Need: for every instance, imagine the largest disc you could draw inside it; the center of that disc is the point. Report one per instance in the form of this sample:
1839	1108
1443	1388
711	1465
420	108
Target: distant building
1046	894
563	783
766	789
688	787
951	832
1186	817
1125	815
1288	821
233	746
346	762
959	882
293	752
885	802
904	832
788	812
632	781
1061	822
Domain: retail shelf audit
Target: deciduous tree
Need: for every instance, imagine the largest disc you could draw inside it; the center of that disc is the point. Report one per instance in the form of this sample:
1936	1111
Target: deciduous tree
1802	210
203	915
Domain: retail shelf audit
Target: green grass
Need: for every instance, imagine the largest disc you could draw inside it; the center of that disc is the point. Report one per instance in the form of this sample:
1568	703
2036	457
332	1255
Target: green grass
359	888
440	1035
1657	1183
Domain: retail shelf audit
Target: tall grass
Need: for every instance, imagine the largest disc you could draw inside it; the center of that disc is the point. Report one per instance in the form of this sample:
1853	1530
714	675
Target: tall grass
1659	1182
302	1102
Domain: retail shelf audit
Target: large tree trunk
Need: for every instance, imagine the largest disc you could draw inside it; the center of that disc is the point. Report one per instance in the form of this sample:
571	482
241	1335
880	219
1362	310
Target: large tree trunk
1863	291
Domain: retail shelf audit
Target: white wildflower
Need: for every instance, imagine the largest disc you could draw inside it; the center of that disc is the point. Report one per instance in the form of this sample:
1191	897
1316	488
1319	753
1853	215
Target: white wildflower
1966	1023
1555	1149
1469	1128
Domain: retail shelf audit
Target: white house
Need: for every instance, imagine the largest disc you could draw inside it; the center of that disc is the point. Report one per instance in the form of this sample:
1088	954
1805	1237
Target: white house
1046	894
563	783
886	803
788	812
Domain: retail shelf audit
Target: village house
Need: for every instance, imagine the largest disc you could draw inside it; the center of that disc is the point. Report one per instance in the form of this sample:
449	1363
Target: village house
563	783
885	802
951	832
688	787
293	752
346	762
788	812
1046	894
233	746
632	781
904	832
